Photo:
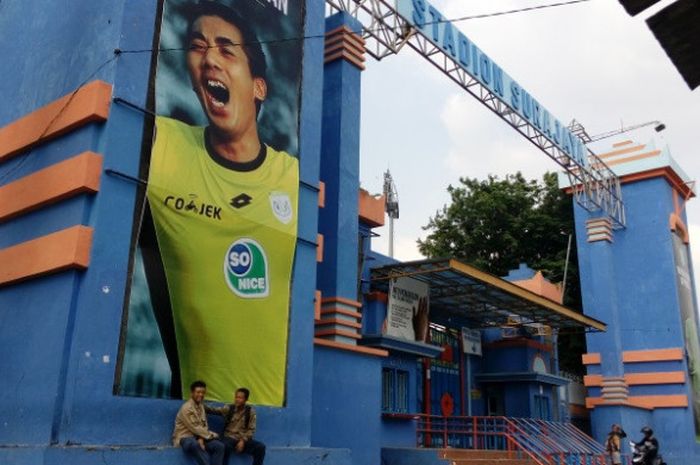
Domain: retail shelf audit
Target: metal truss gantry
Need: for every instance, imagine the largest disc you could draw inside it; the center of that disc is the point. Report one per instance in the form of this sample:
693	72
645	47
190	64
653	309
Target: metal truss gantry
595	187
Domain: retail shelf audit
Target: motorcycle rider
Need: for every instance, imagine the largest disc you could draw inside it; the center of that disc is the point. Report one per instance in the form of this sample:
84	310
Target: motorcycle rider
648	447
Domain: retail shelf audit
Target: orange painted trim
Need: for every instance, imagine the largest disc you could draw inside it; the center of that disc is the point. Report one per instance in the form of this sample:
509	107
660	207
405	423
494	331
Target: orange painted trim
641	156
666	377
340	322
347	55
77	175
319	248
59	251
593	402
346	32
591	359
341	300
351	348
341	311
678	226
89	104
667	173
338	43
658	355
593	380
662	401
622	151
317	305
624	142
377	296
371	208
337	332
321	194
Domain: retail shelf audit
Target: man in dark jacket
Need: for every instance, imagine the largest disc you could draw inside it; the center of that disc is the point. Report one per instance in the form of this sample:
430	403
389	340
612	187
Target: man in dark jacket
239	427
649	446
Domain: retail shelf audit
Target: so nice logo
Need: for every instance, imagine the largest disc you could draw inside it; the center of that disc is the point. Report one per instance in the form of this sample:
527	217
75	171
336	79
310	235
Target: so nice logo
245	269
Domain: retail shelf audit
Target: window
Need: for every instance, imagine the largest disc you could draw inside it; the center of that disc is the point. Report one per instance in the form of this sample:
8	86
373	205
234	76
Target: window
394	390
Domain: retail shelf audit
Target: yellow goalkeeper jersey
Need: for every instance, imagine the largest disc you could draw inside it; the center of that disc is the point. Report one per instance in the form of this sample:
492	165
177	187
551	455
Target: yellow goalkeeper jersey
227	234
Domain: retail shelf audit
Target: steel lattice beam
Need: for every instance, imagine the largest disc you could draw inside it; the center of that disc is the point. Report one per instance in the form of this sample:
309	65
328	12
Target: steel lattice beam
594	186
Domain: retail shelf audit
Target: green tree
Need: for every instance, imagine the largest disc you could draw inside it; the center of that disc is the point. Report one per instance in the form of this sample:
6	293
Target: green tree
496	224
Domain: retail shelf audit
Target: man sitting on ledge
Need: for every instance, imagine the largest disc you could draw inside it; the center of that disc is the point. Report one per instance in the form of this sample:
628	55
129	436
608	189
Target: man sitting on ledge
239	427
192	430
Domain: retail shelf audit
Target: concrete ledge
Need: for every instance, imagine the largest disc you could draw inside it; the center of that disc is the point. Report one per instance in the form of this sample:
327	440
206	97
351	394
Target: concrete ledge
411	456
159	455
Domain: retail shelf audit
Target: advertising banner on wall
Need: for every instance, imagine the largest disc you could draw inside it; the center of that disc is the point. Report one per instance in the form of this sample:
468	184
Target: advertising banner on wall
689	322
407	310
210	291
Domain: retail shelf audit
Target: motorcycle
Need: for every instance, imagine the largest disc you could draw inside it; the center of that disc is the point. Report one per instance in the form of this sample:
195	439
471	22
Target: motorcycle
639	455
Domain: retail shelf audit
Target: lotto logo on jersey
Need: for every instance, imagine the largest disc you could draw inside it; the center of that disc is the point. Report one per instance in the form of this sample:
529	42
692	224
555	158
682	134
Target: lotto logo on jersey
245	269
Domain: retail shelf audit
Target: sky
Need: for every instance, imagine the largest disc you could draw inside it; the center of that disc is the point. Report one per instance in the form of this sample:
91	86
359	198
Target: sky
589	61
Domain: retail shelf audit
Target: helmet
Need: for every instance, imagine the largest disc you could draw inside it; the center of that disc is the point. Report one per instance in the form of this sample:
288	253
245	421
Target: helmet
647	431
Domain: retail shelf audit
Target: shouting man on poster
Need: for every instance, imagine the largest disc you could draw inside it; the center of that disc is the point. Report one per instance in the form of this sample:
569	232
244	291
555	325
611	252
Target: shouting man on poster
224	207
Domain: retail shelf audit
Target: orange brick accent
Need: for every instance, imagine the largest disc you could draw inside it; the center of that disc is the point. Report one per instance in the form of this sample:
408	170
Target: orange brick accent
593	380
371	208
62	250
668	377
591	359
351	348
641	156
658	355
317	305
89	104
652	402
341	300
341	311
645	402
340	322
321	194
620	144
622	151
77	175
343	43
336	332
319	248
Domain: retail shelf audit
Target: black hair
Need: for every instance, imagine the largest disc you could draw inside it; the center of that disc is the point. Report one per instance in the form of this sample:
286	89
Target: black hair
197	384
251	45
245	391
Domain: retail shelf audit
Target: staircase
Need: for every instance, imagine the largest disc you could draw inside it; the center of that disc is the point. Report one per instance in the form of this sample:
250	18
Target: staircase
506	441
483	457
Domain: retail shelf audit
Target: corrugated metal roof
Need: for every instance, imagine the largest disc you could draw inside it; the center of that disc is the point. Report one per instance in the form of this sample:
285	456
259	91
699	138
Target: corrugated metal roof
489	301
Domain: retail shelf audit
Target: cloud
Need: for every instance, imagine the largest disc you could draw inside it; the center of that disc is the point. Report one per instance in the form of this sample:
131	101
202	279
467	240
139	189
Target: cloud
481	144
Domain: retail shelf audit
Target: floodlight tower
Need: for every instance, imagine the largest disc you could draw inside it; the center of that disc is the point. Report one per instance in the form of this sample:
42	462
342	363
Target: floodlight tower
391	207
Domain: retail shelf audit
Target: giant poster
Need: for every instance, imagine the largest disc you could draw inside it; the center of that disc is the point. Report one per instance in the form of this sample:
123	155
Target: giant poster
210	287
689	323
407	309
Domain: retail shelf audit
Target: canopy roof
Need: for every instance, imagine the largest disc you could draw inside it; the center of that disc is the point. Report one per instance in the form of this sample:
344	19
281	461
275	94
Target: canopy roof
489	301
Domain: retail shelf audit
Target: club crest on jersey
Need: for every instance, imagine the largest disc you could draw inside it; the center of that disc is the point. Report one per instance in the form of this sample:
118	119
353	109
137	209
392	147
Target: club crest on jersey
281	206
246	270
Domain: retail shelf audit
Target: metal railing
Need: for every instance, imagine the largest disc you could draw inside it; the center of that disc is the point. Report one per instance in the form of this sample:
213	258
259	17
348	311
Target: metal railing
543	442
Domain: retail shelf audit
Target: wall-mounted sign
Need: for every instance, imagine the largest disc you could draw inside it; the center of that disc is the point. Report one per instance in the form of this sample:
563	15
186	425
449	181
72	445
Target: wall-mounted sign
471	341
407	311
